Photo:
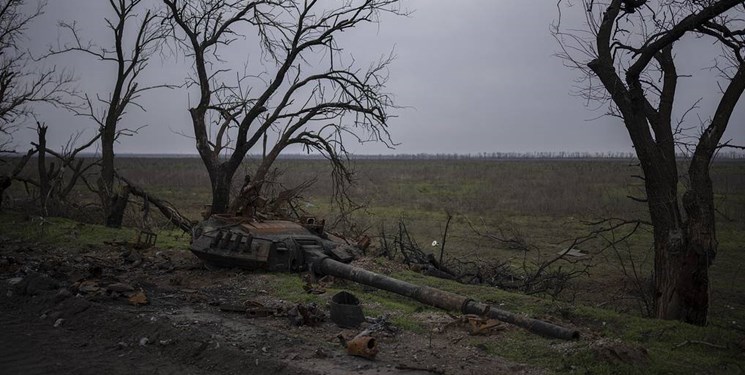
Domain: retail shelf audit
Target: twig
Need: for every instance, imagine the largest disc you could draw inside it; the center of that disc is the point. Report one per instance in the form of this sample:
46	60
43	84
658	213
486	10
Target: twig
687	342
445	235
433	370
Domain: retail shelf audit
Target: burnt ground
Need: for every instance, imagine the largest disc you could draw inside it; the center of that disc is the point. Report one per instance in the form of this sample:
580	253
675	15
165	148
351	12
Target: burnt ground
81	311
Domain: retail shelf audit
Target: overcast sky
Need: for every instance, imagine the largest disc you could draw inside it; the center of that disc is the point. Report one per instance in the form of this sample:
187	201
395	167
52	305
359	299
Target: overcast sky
473	76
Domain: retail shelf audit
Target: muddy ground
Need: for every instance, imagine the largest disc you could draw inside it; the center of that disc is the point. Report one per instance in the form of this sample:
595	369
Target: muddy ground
111	309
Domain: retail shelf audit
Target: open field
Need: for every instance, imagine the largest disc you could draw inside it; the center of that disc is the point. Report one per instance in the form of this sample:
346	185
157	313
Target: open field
545	203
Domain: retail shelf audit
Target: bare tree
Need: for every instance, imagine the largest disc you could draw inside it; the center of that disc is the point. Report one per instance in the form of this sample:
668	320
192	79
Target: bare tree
135	38
7	180
22	81
55	184
306	104
628	47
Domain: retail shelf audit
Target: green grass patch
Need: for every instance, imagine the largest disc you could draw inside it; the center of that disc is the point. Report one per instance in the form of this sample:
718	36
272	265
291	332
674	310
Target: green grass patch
656	346
55	230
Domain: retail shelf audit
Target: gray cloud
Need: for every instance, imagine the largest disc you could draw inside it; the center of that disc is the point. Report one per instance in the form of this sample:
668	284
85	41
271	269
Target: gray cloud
474	76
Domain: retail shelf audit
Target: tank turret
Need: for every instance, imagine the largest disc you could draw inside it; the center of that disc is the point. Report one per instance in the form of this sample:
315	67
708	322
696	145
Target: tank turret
273	245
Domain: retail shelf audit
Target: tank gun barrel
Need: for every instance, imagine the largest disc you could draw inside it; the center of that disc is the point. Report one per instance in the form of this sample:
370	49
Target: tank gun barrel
439	298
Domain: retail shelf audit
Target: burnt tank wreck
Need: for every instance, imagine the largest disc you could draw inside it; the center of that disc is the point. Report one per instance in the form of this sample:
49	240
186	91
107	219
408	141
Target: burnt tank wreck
286	246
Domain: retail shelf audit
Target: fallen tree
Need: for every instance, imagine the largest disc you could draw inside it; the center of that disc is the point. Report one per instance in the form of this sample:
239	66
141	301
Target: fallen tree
165	207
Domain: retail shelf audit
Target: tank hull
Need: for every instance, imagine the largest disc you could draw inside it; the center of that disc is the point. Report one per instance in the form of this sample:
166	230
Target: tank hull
271	245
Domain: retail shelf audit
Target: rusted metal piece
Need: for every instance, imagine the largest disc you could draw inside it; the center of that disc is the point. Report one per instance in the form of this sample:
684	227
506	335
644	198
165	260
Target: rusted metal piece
145	239
363	346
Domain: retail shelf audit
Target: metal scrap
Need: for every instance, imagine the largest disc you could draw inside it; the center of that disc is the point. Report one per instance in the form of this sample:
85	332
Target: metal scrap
363	346
308	314
346	311
477	325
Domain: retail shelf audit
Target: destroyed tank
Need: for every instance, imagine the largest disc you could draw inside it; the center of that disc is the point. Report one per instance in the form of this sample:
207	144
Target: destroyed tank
277	246
273	245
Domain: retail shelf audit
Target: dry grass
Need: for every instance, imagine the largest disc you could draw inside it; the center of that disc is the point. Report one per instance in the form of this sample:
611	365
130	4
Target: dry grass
545	202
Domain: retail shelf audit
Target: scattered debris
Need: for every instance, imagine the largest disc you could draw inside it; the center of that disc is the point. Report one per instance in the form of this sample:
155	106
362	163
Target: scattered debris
477	325
232	308
432	369
255	309
62	294
34	284
361	345
306	314
133	257
322	353
88	287
120	288
252	309
382	325
319	288
138	298
145	239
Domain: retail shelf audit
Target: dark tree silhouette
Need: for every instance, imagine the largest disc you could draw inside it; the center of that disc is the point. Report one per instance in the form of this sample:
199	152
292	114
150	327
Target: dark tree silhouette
628	46
135	38
312	104
23	82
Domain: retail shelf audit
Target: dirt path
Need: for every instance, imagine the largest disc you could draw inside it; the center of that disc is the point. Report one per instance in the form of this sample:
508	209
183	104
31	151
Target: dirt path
60	313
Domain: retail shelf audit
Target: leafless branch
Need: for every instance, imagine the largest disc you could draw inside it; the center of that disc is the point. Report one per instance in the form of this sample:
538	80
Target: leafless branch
306	104
23	82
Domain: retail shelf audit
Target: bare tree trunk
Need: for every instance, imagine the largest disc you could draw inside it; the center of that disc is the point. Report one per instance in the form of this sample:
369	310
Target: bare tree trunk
250	192
221	179
687	286
44	186
685	247
117	206
6	181
130	57
682	263
681	281
114	203
221	193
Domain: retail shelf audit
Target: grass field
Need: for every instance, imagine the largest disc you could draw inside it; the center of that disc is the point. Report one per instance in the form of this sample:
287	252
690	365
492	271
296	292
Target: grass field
546	203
